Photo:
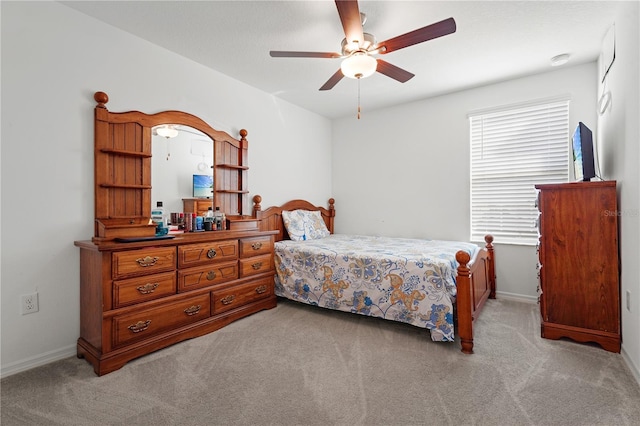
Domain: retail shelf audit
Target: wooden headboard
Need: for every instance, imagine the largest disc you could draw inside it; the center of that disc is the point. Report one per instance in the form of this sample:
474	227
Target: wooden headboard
271	218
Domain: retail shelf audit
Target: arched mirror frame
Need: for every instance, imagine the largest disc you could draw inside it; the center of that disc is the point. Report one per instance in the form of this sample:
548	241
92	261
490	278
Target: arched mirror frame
122	175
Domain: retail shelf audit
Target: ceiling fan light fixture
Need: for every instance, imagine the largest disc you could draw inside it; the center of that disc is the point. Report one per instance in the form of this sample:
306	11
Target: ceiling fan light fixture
359	65
167	131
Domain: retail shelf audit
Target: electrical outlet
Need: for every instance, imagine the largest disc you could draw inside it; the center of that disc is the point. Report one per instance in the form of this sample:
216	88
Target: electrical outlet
628	301
29	303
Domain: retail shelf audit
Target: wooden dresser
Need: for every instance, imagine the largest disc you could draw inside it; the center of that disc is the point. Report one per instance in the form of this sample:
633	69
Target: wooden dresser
578	263
139	291
139	297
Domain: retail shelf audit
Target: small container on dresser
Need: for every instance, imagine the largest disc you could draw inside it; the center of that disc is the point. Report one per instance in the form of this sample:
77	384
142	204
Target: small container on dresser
578	270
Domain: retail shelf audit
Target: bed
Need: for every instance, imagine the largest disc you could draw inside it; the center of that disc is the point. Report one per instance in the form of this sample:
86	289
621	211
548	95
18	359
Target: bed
437	285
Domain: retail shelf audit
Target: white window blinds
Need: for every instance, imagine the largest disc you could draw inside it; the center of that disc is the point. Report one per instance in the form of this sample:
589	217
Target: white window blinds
511	151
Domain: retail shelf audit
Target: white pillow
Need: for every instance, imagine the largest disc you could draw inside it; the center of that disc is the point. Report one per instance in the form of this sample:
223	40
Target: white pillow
304	225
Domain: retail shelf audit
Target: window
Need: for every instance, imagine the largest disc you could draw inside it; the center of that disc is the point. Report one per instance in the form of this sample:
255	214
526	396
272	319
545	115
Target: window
513	149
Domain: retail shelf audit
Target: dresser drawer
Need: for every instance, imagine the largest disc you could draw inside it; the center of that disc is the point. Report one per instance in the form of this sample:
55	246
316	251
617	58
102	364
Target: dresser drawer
204	276
255	246
202	254
255	265
143	261
145	323
140	289
231	298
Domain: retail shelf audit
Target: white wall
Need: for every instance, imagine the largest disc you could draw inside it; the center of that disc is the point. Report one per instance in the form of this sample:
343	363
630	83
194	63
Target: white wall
619	140
405	170
53	60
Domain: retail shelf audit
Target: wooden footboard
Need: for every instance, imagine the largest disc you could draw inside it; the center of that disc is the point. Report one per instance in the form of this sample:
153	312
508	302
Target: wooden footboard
476	280
475	284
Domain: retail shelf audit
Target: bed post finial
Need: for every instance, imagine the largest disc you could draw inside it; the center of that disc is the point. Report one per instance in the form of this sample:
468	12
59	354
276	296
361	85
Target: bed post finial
463	258
332	213
492	266
101	98
489	240
464	302
257	199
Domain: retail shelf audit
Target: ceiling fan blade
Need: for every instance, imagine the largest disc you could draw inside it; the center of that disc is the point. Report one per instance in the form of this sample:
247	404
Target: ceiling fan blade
393	71
333	80
284	54
420	35
351	20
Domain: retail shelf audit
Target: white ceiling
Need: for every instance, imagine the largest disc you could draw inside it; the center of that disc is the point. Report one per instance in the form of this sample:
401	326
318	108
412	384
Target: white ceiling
494	41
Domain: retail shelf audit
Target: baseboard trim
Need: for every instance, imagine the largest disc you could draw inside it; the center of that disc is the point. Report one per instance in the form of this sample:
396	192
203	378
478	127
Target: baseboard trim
516	297
37	361
634	371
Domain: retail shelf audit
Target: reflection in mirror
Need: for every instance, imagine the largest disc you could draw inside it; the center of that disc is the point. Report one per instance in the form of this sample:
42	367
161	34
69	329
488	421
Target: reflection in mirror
174	162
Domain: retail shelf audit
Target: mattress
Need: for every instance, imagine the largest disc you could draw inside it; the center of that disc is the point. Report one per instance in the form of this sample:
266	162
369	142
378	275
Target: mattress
411	281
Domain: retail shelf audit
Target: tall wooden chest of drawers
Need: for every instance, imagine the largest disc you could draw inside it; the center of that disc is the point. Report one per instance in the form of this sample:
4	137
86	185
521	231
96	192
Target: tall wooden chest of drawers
578	263
139	297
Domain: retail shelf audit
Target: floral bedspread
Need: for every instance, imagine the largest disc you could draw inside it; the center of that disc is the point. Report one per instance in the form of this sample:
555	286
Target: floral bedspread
406	280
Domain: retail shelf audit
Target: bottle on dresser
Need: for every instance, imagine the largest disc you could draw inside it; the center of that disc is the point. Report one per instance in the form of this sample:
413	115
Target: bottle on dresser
157	214
194	222
218	219
159	218
209	220
187	222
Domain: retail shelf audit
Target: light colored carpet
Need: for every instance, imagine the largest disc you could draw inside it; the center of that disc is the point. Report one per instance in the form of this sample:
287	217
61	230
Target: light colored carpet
301	365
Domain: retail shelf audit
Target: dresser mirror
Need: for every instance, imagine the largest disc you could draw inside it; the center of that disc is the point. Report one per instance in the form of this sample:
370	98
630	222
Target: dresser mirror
136	166
184	152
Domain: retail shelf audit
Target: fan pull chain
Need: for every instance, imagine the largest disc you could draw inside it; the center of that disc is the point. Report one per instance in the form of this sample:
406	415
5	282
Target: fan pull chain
358	98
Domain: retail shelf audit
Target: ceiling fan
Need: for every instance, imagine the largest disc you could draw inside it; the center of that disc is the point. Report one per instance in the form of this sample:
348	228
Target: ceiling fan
359	48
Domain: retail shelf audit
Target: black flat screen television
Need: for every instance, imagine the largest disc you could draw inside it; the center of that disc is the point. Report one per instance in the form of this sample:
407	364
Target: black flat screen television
583	160
202	186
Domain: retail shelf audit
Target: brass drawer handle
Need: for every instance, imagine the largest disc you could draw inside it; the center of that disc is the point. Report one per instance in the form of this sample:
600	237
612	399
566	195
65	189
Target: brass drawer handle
192	310
256	246
147	288
139	326
227	299
211	275
257	265
261	289
147	261
211	253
